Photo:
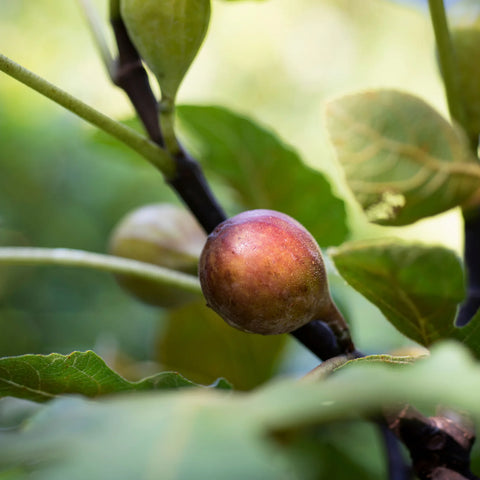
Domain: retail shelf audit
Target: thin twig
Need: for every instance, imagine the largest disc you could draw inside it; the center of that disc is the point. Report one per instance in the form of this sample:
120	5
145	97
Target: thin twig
80	258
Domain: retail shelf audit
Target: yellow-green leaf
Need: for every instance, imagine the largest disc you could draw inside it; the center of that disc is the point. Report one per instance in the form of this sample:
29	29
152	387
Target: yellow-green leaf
403	161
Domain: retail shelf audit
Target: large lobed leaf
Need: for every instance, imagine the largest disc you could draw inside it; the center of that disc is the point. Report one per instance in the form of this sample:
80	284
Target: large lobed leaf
42	377
402	160
263	171
201	434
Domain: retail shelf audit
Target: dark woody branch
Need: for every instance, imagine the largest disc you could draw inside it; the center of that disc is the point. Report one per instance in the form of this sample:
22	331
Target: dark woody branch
439	446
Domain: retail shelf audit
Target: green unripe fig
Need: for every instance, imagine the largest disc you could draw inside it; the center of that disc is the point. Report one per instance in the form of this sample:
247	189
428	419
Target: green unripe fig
167	35
163	235
263	272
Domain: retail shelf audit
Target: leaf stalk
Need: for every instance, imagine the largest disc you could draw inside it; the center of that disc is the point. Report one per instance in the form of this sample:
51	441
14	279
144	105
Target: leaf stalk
79	258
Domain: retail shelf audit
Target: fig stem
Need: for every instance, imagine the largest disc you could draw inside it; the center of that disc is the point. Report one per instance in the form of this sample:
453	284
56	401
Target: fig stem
319	339
334	319
167	123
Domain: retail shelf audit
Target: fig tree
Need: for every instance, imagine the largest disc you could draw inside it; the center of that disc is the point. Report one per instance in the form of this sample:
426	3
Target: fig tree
263	272
163	235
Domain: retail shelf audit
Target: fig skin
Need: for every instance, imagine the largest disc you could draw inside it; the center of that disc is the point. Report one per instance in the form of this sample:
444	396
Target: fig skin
164	235
263	272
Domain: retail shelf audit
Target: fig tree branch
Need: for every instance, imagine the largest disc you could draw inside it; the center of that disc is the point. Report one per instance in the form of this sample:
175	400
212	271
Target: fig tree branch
191	185
439	446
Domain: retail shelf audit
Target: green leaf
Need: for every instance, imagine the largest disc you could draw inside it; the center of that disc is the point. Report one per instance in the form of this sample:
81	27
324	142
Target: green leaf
200	434
263	171
146	437
362	387
416	287
198	343
403	161
42	377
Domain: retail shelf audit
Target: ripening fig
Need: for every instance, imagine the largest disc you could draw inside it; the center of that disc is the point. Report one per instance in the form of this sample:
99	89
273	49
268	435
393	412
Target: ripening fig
167	35
263	272
163	235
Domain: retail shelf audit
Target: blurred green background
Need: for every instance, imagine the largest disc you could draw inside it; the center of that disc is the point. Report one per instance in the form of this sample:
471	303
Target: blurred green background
63	185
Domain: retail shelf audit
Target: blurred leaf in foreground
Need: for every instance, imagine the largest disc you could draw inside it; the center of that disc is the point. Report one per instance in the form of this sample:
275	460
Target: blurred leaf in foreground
201	434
